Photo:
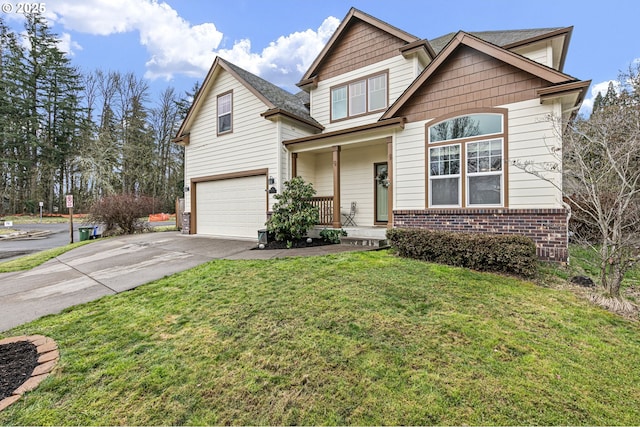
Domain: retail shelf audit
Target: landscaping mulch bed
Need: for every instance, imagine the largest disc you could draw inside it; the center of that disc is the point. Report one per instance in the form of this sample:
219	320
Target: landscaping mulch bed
17	362
302	243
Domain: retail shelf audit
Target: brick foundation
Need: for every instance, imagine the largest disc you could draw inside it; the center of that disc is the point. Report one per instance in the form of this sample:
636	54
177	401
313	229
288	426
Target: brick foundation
547	227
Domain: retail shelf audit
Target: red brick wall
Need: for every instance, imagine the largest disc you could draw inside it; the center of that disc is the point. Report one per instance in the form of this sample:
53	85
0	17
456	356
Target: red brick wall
547	227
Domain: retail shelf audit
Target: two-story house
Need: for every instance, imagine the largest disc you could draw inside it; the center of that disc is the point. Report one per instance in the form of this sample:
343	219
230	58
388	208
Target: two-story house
417	133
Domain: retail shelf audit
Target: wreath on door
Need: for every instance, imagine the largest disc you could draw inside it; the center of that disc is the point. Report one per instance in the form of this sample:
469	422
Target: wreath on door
383	178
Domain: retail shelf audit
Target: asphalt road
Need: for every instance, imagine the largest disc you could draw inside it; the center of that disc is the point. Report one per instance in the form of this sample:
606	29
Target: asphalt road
60	236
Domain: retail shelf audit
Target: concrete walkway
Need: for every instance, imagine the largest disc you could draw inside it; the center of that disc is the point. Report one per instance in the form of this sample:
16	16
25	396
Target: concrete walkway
114	265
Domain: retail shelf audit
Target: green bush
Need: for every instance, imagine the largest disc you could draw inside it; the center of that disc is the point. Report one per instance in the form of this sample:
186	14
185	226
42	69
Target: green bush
332	235
293	213
512	254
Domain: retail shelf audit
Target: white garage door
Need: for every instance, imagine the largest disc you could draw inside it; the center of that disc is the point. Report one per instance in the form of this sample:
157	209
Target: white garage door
231	207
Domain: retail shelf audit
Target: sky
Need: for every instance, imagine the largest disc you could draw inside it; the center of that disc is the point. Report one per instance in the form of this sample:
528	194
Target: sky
174	42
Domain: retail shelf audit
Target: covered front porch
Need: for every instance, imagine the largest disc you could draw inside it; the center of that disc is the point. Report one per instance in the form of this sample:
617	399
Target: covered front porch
352	173
359	236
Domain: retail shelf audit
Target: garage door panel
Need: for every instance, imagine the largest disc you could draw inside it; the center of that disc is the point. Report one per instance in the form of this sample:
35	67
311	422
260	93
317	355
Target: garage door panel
231	207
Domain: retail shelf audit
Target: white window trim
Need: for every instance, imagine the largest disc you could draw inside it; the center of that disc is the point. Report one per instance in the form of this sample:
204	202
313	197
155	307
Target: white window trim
464	175
458	176
490	173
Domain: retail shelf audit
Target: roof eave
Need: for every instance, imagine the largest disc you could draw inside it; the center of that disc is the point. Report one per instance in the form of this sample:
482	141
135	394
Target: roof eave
398	122
273	112
576	89
195	105
308	84
566	32
422	48
182	140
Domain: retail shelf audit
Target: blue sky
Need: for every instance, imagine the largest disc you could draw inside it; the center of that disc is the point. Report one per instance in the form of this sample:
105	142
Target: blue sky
173	42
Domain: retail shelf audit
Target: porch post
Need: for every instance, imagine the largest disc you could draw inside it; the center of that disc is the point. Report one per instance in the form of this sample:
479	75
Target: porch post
294	165
337	223
390	177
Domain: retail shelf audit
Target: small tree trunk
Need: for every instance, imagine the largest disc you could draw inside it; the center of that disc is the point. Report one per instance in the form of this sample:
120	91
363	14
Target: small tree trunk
615	274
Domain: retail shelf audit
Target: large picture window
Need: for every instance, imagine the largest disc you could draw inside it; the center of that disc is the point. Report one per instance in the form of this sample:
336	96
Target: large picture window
224	112
465	161
359	97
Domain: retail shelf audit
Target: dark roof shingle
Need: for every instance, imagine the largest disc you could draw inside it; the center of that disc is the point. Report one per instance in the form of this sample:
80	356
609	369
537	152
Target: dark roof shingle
498	38
280	98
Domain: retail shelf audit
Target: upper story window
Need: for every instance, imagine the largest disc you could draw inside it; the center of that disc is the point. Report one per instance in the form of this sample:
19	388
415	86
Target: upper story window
359	97
225	104
465	161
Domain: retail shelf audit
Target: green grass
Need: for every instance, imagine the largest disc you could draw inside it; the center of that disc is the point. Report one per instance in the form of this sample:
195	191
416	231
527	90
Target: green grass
356	338
28	262
163	228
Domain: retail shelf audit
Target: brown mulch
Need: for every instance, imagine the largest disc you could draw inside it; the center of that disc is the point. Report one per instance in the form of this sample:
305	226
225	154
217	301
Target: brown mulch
17	362
302	243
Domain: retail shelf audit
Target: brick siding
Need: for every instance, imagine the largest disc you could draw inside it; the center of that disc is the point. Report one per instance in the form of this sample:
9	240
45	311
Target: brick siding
548	228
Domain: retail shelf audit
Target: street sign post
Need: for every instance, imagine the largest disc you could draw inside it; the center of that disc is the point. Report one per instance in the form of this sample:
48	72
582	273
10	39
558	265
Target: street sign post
70	206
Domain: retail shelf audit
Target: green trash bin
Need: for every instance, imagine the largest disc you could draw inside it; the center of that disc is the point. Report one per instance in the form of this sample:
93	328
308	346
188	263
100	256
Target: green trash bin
85	233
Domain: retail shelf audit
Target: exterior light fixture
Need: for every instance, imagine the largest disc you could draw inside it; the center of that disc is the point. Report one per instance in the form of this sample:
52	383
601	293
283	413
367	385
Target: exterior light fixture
272	180
186	188
273	190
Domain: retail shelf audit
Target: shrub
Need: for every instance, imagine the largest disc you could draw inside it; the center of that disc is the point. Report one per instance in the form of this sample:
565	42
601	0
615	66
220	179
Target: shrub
121	213
512	254
293	213
332	235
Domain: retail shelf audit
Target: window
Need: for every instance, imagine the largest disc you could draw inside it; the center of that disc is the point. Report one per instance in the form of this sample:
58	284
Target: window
460	153
224	112
377	93
359	97
444	165
339	103
484	172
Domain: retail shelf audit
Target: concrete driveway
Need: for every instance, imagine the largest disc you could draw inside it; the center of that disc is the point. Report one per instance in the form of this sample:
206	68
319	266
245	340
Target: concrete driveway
114	265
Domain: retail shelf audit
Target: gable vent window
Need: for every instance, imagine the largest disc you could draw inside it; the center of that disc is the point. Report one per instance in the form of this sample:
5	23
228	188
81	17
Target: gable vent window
225	102
465	161
359	97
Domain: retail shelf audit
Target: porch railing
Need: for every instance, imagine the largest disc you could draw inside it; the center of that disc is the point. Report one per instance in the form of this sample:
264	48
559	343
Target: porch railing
325	207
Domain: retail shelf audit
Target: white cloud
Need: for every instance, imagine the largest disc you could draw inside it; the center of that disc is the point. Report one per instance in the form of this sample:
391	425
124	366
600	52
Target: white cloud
286	59
587	104
67	45
174	45
177	47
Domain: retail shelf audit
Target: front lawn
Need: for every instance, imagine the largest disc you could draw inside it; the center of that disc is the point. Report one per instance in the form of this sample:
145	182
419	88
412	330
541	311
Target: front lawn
356	338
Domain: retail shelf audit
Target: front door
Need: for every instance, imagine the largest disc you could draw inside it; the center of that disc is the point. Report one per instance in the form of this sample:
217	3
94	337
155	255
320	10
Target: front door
381	192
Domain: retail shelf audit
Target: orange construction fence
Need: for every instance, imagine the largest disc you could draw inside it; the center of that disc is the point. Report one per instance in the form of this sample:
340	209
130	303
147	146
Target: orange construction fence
158	217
